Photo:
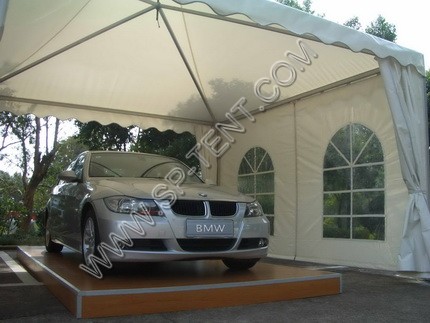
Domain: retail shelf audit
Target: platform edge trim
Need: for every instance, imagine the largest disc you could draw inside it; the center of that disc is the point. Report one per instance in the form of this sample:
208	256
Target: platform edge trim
51	272
154	290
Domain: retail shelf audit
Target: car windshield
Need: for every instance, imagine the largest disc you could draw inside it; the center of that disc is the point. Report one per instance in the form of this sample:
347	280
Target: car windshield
114	164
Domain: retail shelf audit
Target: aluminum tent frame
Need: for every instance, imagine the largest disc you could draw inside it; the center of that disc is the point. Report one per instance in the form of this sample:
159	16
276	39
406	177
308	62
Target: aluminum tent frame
188	65
172	60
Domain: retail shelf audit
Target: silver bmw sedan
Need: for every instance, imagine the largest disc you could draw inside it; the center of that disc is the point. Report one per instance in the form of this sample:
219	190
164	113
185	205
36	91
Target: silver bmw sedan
134	207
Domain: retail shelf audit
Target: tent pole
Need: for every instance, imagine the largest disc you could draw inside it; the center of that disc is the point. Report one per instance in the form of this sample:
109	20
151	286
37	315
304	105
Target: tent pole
76	43
187	65
296	183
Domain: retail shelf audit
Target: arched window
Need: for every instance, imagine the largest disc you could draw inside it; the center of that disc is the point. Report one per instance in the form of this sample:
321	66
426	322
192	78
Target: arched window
257	178
354	197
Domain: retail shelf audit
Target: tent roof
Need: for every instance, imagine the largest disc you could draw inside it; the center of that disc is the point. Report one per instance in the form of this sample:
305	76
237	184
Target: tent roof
174	64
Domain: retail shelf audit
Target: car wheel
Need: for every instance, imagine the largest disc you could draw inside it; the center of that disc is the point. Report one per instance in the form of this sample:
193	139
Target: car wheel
90	237
50	245
240	264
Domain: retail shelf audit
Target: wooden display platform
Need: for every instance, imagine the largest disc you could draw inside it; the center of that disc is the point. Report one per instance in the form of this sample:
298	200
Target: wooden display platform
134	289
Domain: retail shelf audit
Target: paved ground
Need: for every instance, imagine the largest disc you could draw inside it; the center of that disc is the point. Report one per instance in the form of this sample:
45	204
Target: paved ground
368	296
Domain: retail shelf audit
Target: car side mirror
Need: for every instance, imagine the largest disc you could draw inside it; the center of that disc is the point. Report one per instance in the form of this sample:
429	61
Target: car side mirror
68	176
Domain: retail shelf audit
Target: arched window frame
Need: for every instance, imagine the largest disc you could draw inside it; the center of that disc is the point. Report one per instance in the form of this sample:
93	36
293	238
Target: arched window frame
256	178
354	206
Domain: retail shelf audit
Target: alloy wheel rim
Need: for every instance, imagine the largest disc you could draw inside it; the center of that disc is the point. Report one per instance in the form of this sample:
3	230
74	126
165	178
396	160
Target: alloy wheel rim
89	239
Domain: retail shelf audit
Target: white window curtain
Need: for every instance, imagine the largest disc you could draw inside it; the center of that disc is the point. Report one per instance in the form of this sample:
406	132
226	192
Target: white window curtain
405	89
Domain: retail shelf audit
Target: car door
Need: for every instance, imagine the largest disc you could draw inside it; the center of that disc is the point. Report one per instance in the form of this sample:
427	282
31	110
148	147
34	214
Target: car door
71	196
57	210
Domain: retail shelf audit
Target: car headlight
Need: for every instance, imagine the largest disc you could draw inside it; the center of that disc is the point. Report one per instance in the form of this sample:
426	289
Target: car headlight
253	209
124	204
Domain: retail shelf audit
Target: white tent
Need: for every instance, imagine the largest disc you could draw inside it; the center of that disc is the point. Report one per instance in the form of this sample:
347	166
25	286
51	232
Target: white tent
261	74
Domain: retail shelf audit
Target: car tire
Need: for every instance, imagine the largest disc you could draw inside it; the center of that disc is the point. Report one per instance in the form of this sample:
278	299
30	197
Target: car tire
90	237
51	246
240	264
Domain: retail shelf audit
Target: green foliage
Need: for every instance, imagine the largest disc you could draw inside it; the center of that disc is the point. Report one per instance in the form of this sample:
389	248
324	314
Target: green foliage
336	227
11	207
379	27
13	213
362	232
67	151
306	6
368	228
353	23
11	186
12	210
22	238
34	141
15	130
104	137
167	143
24	133
382	28
95	136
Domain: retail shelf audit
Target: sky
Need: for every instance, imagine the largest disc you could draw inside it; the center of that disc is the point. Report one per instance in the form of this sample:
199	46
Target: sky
409	18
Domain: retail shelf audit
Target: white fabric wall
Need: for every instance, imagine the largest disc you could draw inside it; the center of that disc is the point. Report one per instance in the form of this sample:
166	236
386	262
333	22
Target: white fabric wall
299	173
273	131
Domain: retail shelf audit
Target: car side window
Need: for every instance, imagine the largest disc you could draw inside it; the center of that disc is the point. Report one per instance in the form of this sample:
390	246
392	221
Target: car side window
78	167
72	164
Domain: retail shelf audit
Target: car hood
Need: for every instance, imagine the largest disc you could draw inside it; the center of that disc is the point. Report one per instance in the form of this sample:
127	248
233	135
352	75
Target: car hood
162	189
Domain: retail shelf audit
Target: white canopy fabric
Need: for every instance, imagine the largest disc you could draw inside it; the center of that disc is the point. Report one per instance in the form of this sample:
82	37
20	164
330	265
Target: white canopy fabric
184	64
170	60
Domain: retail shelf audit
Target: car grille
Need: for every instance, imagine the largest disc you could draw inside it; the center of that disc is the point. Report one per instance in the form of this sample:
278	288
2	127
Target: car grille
197	208
185	207
206	245
222	208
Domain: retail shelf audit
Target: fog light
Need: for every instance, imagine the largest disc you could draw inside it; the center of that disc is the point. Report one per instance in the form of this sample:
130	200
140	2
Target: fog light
262	243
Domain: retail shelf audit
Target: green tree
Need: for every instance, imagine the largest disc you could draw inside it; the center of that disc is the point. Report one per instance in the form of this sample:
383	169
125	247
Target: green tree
167	143
104	137
36	140
11	194
379	27
353	23
114	137
67	151
382	28
306	6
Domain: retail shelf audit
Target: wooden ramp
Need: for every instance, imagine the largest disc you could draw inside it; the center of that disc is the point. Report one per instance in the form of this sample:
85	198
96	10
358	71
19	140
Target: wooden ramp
134	289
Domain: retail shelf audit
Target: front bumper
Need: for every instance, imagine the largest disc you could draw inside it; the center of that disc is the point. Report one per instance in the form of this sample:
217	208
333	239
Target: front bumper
164	238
